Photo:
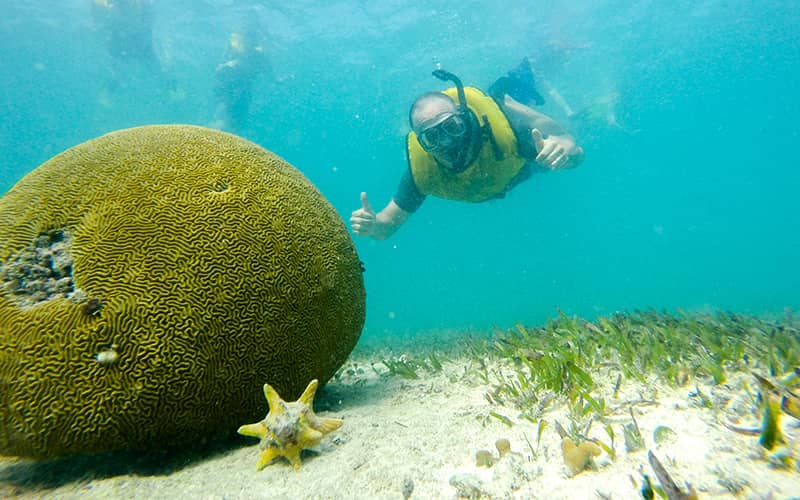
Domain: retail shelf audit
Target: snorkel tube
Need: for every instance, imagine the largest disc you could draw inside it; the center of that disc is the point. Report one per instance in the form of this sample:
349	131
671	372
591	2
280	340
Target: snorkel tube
447	76
460	153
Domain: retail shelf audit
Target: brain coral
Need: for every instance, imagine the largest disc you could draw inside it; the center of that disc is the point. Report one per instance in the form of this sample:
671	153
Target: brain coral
152	281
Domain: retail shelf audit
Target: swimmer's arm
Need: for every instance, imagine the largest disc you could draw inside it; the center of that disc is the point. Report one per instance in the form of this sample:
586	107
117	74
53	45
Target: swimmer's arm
522	116
389	220
380	225
554	147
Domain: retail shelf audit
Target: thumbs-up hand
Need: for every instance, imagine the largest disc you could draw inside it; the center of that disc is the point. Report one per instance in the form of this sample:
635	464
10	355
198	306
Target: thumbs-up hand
363	220
556	151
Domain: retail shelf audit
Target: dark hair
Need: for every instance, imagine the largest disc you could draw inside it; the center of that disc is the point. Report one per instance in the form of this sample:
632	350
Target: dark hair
427	96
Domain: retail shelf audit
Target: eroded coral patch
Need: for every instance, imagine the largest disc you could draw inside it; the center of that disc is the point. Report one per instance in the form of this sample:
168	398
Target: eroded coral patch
40	272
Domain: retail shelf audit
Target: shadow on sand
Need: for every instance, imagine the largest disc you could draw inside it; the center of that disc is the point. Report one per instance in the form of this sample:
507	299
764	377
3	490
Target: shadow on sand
24	476
27	476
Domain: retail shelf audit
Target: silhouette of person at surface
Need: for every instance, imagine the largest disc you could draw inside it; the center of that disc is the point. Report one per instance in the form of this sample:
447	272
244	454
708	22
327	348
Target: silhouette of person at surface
126	27
547	61
235	78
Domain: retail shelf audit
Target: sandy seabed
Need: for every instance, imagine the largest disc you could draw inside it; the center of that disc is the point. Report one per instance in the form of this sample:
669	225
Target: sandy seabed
418	438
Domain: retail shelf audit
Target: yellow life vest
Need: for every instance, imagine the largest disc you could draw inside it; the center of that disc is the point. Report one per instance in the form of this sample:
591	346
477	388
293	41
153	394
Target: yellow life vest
488	175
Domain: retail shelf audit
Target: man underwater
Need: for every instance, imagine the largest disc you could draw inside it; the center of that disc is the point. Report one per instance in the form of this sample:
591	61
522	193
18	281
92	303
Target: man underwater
234	80
127	29
468	146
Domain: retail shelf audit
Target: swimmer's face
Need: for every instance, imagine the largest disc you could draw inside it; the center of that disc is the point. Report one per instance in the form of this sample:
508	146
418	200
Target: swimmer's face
438	124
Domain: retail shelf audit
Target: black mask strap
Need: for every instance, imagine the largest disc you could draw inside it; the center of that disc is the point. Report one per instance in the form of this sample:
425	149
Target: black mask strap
486	128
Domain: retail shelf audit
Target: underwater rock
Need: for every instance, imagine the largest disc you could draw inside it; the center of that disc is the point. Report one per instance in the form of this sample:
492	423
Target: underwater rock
483	458
510	474
503	446
408	488
467	485
578	457
664	435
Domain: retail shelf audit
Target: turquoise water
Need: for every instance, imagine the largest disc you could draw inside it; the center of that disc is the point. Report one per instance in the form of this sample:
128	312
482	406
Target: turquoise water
686	110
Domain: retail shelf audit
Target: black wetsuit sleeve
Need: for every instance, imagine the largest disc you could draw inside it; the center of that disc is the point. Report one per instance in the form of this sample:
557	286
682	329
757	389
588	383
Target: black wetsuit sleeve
408	196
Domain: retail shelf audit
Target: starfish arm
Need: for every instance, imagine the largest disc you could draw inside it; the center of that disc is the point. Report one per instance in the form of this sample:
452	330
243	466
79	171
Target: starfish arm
266	457
322	424
308	395
293	456
273	399
308	437
257	430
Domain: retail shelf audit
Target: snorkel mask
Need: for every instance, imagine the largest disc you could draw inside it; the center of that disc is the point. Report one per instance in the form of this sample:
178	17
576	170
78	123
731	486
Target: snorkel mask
443	132
450	135
447	131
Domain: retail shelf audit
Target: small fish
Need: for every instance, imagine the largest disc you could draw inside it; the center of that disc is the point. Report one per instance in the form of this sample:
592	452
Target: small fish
790	402
774	400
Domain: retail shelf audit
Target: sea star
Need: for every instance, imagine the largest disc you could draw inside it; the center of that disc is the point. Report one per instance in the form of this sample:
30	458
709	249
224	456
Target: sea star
290	427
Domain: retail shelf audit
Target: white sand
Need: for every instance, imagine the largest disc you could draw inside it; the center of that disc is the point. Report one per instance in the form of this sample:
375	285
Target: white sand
427	431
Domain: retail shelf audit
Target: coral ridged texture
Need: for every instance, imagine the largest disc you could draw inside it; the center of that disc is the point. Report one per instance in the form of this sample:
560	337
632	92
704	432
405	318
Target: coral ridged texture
192	266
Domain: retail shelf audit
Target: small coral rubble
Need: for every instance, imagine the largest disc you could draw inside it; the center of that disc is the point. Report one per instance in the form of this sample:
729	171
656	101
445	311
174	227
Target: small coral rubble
40	272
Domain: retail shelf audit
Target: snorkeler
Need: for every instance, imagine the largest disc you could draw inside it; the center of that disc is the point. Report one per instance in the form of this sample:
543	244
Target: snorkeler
127	29
468	146
245	59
